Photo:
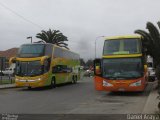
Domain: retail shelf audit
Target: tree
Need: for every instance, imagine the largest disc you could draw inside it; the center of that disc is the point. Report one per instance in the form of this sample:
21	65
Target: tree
151	45
89	63
82	63
54	37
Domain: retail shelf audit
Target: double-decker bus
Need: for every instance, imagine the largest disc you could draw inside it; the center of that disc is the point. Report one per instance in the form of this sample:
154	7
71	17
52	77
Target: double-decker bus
123	65
43	64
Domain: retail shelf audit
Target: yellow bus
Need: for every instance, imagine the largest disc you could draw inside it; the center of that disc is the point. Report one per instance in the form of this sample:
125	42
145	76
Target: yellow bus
123	66
43	64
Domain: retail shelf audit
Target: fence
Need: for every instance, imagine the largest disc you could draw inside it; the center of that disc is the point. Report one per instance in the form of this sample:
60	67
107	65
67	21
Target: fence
6	80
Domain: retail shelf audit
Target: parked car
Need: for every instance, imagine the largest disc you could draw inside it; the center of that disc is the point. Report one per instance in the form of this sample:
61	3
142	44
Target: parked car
151	70
88	73
151	74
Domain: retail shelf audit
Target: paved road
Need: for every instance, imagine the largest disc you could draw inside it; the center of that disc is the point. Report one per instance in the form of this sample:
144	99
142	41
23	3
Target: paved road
79	98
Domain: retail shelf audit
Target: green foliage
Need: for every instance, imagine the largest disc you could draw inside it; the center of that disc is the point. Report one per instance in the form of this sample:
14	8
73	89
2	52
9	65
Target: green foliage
54	37
89	63
151	44
82	62
147	42
151	41
7	81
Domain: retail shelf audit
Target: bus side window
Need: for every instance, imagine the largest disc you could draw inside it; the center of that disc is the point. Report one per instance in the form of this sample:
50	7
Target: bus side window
65	69
61	69
47	65
55	69
69	69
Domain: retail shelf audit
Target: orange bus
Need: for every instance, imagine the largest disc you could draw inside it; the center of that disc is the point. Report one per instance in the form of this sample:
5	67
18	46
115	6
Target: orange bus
123	66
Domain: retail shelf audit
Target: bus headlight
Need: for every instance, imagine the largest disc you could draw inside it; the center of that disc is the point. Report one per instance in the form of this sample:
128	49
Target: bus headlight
107	84
16	79
34	80
138	83
38	79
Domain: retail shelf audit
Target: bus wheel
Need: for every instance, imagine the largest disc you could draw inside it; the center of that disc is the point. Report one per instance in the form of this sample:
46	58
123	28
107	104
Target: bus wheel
29	87
75	78
53	83
159	105
72	79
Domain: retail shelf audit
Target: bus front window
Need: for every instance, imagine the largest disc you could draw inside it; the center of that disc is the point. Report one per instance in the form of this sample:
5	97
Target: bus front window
121	46
122	68
31	50
31	68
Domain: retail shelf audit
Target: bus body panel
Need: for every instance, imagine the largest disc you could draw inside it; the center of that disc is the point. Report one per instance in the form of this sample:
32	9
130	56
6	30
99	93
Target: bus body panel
58	56
119	85
114	76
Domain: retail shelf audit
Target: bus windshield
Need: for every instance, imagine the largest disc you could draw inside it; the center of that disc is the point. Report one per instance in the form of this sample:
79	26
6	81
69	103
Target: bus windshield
122	68
31	68
31	50
121	46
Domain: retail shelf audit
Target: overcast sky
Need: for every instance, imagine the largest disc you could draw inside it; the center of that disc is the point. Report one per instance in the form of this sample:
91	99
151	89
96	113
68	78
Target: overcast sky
82	21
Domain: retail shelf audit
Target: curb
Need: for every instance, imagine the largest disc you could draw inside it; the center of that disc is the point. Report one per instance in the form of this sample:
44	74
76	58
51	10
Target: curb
7	86
151	105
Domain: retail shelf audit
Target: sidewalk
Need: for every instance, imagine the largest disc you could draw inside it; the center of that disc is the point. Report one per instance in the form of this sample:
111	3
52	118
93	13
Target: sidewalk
5	86
151	106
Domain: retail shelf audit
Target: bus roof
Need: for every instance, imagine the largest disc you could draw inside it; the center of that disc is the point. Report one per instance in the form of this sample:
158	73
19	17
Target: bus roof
122	37
65	49
52	45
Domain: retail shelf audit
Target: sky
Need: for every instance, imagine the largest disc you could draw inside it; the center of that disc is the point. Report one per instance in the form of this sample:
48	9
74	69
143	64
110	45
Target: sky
82	21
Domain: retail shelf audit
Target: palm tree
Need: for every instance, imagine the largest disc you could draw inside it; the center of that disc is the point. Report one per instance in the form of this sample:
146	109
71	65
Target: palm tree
151	45
54	37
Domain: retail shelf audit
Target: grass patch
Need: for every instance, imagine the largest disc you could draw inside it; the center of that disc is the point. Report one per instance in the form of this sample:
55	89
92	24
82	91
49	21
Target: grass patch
6	81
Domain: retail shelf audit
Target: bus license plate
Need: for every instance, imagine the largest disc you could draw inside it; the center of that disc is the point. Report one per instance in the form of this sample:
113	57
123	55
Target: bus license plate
121	89
26	84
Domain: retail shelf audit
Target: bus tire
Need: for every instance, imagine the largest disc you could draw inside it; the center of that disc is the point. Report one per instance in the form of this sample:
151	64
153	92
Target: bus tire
75	78
53	83
159	105
29	87
72	79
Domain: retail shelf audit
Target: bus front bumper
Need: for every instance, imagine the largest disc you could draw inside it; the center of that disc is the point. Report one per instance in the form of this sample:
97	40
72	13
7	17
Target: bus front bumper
30	83
123	86
124	89
102	84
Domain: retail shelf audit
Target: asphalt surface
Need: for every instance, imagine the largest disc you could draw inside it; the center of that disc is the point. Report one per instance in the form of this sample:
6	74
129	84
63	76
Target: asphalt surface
80	98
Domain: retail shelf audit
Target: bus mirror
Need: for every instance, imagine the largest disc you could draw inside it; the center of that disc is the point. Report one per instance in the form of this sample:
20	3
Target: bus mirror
97	70
97	67
145	68
12	60
43	59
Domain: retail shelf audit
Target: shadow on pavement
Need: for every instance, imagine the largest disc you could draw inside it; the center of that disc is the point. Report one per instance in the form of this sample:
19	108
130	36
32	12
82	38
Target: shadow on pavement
45	88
